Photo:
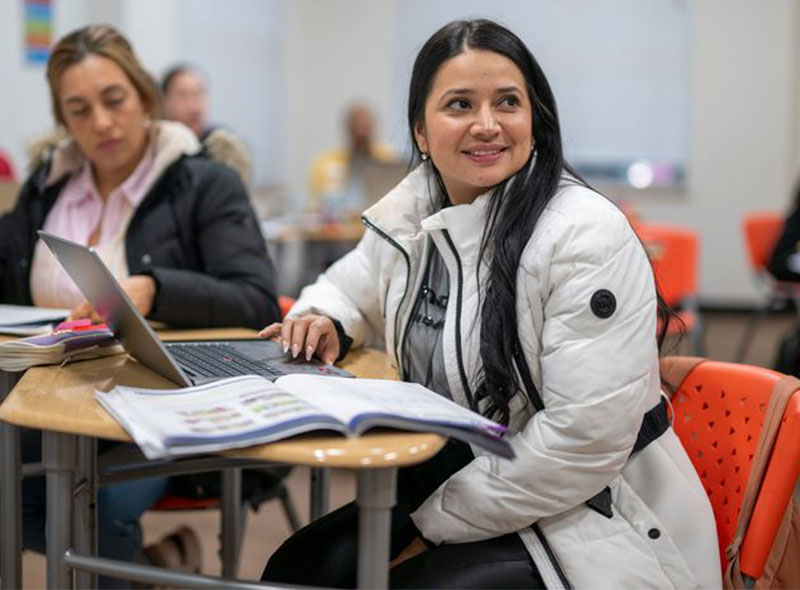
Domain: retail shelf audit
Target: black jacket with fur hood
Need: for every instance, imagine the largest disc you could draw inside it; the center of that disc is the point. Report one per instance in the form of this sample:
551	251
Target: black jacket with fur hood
194	232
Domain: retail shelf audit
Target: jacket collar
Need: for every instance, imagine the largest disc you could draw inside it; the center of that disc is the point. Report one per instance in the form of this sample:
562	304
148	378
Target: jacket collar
171	141
408	210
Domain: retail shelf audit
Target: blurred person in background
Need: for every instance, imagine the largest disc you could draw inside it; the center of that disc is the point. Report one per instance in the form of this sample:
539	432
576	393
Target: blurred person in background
172	225
183	89
784	263
337	175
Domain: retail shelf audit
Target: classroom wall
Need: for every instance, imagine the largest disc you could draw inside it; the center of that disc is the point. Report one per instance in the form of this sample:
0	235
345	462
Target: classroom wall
24	102
241	49
338	51
744	135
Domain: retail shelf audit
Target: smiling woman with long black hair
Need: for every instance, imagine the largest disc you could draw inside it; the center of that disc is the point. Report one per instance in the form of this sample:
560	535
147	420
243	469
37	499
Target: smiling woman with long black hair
498	278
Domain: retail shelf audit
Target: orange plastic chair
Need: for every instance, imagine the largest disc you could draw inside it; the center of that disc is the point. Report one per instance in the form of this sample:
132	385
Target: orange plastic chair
285	303
673	252
718	411
761	232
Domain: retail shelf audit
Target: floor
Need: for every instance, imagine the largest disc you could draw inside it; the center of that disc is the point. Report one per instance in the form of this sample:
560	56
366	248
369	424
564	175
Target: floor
267	528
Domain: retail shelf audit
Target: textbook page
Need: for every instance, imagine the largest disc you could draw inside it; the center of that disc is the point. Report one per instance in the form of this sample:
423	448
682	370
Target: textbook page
240	411
353	400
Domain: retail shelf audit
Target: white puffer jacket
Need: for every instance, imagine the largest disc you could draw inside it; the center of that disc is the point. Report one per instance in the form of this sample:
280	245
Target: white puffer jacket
596	376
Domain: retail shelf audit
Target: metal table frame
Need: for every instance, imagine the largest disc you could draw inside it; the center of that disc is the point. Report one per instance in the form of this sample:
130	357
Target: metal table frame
10	495
71	468
69	551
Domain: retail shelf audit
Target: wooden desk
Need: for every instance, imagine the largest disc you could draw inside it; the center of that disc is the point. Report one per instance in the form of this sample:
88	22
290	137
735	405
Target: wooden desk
8	195
61	399
60	402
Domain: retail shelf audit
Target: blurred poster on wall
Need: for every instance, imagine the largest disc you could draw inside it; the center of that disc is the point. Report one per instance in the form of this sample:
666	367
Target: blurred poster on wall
38	31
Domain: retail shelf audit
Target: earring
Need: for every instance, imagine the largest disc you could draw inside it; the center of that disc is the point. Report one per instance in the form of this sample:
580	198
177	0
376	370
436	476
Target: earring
424	156
533	145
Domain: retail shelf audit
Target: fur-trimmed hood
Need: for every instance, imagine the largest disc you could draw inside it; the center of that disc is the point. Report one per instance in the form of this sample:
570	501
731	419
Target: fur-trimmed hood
170	141
225	146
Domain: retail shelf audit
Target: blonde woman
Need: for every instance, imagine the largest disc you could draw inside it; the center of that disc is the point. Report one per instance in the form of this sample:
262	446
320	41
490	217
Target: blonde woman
174	227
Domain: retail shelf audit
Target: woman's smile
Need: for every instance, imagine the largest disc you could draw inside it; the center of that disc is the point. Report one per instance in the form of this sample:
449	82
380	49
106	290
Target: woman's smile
486	155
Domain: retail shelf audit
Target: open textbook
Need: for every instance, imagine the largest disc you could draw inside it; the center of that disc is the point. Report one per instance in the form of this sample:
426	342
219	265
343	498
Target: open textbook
249	410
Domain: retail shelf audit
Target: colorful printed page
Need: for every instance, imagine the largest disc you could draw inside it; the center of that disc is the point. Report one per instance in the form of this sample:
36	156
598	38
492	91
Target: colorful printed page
358	399
227	411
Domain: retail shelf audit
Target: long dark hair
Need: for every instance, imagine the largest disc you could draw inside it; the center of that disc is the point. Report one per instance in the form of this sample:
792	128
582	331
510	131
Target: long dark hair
516	204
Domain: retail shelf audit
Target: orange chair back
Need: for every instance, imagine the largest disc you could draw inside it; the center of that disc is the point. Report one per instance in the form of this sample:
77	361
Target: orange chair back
285	303
718	413
673	251
761	231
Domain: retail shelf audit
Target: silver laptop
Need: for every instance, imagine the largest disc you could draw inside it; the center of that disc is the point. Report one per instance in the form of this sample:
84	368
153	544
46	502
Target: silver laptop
184	363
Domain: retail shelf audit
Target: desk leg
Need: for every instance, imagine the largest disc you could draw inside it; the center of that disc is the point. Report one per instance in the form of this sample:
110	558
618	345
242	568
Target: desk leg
84	508
59	459
320	492
10	496
231	520
375	499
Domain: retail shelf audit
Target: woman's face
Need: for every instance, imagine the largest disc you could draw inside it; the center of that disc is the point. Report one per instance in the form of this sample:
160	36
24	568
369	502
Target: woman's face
477	127
103	113
186	101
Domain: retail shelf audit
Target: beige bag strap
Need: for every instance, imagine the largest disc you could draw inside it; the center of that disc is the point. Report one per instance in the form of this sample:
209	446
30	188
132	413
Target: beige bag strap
675	368
778	400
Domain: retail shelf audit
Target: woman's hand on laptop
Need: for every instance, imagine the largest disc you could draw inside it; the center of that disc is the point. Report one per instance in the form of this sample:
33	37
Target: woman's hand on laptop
313	334
141	289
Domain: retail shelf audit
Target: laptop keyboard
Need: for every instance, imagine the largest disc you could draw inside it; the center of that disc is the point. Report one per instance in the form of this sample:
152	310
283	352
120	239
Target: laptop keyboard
219	360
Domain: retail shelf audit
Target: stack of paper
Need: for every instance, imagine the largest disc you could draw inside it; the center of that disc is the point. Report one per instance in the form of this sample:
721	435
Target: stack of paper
71	341
23	320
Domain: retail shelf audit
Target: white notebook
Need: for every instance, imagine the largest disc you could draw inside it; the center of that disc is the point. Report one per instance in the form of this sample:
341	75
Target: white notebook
24	320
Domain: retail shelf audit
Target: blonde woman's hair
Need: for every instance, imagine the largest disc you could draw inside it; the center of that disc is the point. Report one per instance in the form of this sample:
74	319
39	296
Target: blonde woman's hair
105	41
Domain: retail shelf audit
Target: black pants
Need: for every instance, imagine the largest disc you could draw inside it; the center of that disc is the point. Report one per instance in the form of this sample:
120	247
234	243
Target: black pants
324	553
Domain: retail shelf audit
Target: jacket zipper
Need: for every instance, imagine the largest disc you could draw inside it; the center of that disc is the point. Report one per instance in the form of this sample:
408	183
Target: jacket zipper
465	384
459	295
551	556
396	245
402	343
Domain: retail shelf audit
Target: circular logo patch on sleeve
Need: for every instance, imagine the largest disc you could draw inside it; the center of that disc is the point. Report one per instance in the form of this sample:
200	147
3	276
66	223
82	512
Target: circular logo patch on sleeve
603	303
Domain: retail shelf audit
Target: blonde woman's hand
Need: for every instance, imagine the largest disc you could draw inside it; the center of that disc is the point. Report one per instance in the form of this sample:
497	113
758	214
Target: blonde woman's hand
141	289
84	310
310	335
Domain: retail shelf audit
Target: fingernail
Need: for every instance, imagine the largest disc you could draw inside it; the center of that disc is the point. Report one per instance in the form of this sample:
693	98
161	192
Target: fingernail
309	352
295	350
285	346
